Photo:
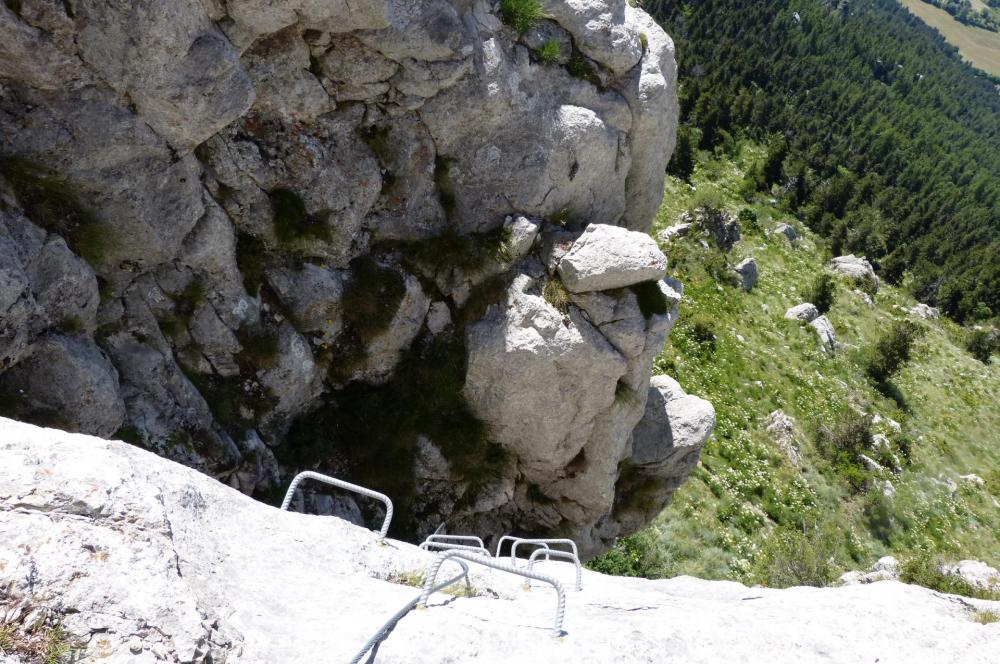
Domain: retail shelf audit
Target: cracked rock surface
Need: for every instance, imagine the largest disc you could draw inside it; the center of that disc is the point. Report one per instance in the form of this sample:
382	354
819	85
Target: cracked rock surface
141	560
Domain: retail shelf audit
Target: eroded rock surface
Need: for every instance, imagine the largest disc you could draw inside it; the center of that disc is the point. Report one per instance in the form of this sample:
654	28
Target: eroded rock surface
140	560
231	232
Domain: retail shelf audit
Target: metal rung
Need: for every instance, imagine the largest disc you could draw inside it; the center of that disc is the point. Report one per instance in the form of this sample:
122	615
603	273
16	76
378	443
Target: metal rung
427	546
456	538
521	540
511	538
326	479
493	563
555	553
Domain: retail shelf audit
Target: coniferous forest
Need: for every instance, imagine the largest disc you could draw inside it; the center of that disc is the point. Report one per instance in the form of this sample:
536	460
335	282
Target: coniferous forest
879	136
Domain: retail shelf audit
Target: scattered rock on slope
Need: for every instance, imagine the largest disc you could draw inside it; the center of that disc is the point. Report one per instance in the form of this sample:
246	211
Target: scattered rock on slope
746	273
925	311
805	312
856	268
825	332
783	428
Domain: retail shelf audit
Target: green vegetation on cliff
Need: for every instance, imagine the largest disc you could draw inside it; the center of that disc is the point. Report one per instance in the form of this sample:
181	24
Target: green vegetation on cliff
750	512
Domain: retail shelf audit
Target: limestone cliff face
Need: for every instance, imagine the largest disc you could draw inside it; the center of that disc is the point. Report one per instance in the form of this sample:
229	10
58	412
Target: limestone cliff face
397	241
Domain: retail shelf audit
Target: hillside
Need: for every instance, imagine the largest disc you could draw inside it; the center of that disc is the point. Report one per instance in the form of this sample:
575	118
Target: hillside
110	554
753	514
879	135
980	47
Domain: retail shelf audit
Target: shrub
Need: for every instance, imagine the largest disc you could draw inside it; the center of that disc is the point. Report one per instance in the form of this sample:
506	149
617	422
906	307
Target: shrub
748	220
550	52
702	330
793	558
822	292
579	67
982	344
521	15
892	351
635	555
842	442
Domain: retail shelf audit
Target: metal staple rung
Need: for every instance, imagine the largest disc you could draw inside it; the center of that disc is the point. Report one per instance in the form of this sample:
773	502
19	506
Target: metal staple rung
456	538
554	553
326	479
522	540
511	538
503	567
426	546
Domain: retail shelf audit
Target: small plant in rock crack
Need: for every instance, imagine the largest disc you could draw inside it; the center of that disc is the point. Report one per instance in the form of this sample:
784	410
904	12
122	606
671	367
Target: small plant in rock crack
521	15
550	52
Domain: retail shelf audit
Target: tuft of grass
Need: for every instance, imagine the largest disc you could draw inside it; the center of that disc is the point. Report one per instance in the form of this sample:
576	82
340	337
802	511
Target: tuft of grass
986	617
70	325
48	644
555	293
417	579
580	67
521	15
550	52
372	296
446	195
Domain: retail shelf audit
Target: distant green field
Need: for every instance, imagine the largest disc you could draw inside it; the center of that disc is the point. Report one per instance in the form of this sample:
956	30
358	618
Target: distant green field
978	46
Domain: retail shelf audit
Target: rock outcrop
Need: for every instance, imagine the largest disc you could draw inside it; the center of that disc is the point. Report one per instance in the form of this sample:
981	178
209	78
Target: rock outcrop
139	560
805	312
825	332
746	273
720	225
856	268
383	238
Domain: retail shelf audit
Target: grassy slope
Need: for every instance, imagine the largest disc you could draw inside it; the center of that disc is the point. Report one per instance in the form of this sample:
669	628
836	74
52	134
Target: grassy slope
747	512
980	47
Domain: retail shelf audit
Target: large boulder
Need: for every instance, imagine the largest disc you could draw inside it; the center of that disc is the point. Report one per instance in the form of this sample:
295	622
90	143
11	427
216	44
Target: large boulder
746	273
67	381
673	429
857	268
825	332
607	257
805	312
